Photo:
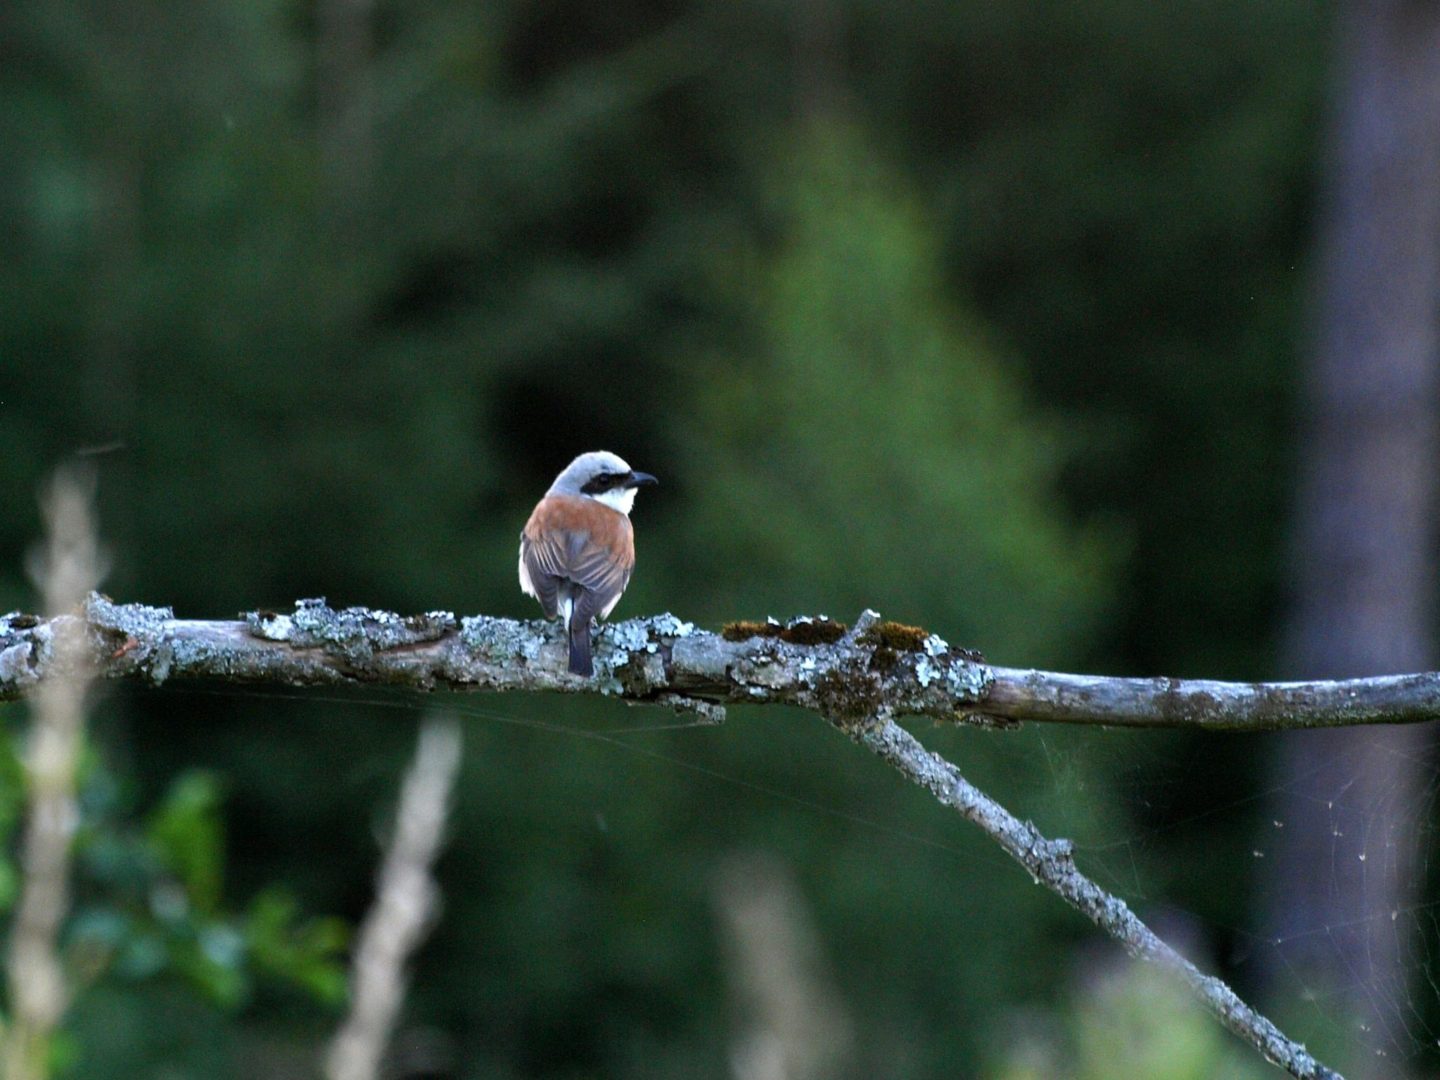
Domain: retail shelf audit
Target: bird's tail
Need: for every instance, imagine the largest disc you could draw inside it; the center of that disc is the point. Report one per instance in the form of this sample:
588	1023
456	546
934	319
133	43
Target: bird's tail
580	662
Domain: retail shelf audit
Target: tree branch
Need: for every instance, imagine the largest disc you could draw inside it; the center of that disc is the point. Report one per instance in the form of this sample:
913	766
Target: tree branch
858	678
1058	698
658	659
873	668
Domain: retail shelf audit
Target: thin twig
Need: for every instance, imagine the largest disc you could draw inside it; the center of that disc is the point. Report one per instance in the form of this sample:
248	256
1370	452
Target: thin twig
1052	864
38	995
406	902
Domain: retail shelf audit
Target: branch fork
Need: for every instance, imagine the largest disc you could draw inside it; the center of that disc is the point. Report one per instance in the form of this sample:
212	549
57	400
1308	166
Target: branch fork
859	678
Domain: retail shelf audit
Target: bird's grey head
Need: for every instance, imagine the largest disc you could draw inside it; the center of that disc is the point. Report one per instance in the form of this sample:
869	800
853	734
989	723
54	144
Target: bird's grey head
602	476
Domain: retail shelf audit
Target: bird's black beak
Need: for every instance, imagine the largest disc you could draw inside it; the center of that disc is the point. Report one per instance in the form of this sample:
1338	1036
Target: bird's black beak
640	479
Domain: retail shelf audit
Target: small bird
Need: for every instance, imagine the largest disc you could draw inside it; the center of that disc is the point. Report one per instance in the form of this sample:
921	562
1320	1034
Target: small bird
578	548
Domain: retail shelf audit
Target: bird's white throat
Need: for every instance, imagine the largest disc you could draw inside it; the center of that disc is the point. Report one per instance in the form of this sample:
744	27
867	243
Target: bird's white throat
622	499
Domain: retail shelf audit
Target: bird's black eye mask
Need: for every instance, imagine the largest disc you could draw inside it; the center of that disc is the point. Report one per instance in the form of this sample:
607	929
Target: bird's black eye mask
603	483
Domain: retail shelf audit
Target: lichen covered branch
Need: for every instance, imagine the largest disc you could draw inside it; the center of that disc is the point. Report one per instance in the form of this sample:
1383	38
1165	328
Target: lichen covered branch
872	668
816	664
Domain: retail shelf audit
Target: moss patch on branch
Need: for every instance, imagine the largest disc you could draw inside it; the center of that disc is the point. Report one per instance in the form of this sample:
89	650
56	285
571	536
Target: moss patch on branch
800	631
896	636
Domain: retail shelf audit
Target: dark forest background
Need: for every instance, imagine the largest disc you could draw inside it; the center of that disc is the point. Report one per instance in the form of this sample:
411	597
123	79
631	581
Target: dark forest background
990	317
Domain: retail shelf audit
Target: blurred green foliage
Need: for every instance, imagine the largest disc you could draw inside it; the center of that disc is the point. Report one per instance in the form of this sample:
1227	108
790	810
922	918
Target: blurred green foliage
984	316
149	917
863	425
1131	1021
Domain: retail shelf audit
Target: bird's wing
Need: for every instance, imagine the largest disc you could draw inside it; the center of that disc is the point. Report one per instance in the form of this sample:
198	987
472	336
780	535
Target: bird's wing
534	582
578	541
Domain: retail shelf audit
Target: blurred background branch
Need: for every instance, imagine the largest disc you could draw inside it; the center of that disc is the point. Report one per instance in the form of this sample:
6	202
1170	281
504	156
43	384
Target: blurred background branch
789	1022
66	572
407	900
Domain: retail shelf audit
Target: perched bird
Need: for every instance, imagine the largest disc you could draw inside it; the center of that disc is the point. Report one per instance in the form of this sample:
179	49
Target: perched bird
578	548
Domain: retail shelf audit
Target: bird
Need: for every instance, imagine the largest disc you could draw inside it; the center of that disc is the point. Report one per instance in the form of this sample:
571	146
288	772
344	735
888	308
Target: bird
578	548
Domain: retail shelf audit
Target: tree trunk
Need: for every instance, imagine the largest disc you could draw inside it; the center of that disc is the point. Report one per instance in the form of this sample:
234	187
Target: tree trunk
1346	869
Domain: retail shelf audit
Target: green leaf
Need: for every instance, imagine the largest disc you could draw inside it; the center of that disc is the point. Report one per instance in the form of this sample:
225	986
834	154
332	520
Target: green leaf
188	837
308	954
